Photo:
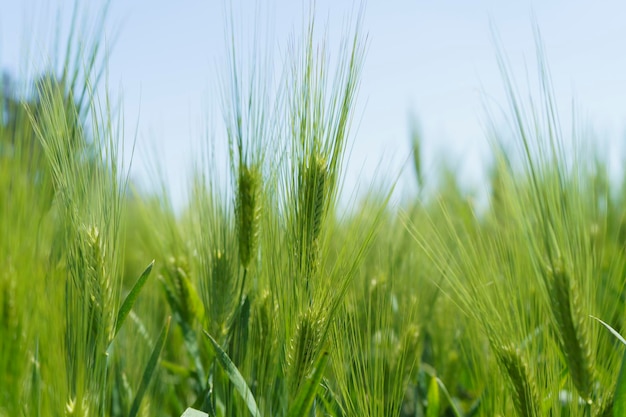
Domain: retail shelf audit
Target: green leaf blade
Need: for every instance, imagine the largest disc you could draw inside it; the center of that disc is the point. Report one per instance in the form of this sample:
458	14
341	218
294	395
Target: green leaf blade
235	377
611	329
150	367
192	412
619	398
128	303
433	398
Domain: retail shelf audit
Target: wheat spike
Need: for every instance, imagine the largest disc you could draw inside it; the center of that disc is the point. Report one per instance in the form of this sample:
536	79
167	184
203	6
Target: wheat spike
304	347
222	288
525	398
312	207
572	332
248	212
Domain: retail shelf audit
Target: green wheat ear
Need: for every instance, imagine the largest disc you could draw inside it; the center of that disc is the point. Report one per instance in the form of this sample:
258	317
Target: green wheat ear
100	287
525	398
221	284
248	212
416	153
313	192
304	348
181	291
572	333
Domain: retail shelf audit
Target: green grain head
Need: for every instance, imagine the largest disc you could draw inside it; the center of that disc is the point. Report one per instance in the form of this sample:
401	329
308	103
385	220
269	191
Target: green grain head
312	205
222	296
522	382
180	291
572	332
416	153
99	282
248	211
304	347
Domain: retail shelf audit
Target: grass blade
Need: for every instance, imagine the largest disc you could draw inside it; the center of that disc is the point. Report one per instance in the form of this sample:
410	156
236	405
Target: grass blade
304	400
191	412
433	398
235	377
150	367
619	399
442	387
128	303
612	330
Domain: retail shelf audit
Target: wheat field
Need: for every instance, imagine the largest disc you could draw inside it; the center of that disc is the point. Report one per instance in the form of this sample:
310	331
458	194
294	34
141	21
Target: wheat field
263	296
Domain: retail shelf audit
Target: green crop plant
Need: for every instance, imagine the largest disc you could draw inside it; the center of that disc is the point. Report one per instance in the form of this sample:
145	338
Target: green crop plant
63	194
264	296
530	272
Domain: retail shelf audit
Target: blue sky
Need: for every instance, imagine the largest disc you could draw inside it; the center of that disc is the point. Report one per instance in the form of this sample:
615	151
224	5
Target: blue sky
433	59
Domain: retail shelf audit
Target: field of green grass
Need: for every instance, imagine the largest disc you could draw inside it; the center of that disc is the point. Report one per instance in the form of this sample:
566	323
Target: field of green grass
264	297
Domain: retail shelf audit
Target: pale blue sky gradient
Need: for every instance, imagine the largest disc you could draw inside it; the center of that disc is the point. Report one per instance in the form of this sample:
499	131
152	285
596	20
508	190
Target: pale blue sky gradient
435	59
